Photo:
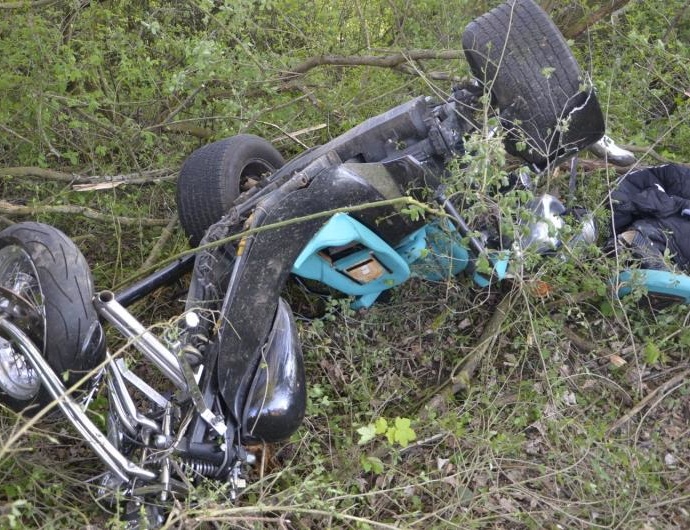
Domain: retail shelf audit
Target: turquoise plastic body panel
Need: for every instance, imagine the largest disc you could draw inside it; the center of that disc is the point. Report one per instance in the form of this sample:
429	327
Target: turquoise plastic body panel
660	282
343	230
499	270
433	252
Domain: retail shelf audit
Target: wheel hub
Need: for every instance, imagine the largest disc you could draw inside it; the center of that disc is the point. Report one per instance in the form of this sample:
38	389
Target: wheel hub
17	377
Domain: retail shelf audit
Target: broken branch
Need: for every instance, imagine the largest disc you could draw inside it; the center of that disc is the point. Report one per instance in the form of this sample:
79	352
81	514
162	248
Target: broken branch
141	177
661	389
464	370
382	61
7	208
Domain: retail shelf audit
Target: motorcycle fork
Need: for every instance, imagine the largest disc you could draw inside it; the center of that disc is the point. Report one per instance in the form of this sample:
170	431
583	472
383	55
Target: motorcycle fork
203	442
126	420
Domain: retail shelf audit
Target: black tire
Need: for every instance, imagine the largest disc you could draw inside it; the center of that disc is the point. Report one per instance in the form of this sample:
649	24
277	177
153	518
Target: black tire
53	282
522	58
213	176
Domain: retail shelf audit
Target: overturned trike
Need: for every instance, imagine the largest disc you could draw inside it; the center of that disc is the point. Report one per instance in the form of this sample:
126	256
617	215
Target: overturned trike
233	368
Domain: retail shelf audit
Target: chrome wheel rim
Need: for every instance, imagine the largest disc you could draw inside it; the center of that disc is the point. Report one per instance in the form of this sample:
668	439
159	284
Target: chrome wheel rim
21	301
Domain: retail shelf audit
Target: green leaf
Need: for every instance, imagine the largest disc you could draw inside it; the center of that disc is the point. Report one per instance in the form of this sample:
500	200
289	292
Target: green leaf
403	433
371	464
606	308
381	426
415	212
366	434
652	353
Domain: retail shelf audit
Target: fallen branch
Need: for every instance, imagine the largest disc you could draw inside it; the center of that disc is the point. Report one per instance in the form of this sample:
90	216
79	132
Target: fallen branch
396	202
188	129
583	25
584	345
143	177
464	370
595	164
647	151
661	389
185	103
39	172
292	135
7	208
382	61
157	249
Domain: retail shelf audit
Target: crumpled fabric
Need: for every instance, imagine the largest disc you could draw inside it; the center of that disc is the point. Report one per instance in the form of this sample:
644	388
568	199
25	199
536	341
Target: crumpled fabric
653	201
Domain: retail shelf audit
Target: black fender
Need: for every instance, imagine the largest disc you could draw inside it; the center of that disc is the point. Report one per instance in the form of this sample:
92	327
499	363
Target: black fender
264	261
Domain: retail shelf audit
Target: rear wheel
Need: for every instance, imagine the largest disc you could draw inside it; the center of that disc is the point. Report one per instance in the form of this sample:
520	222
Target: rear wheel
46	290
214	176
521	57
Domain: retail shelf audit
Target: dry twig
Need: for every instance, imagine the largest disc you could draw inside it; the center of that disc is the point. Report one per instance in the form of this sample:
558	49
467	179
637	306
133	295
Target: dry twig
661	389
382	61
464	370
7	208
157	249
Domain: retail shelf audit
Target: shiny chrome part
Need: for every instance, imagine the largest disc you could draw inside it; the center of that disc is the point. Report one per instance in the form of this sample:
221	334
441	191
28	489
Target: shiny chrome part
18	379
523	179
21	300
544	227
607	149
192	380
142	339
138	383
199	467
94	387
191	320
237	480
119	465
123	404
127	421
12	300
588	233
165	464
161	441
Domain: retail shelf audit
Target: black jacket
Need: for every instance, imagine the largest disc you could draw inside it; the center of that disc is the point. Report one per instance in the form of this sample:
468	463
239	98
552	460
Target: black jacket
652	200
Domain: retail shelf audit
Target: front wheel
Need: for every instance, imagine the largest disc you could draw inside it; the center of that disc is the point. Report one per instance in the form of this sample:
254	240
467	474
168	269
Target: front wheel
46	290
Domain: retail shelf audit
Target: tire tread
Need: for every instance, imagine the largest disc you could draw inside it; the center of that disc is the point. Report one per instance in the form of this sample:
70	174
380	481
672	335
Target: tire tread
67	287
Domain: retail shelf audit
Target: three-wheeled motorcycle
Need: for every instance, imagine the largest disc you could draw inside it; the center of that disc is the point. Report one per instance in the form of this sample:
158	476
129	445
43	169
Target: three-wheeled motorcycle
232	368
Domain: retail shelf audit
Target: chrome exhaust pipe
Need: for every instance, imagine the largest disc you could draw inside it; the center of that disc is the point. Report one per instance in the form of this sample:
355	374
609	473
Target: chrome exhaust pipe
142	339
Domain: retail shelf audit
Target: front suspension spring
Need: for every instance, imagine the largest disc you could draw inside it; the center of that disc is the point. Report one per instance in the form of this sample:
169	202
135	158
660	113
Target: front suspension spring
200	467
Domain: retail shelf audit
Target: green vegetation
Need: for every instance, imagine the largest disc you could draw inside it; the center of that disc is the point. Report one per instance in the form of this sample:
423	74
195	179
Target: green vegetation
577	413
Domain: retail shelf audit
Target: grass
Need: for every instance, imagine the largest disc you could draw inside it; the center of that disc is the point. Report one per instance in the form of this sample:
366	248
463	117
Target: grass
527	445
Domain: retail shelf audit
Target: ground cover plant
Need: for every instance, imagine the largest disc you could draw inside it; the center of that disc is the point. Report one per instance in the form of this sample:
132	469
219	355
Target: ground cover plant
541	402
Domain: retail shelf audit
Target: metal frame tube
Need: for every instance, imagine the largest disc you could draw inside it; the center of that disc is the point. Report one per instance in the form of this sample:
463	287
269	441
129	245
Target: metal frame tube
142	339
123	403
118	464
164	276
